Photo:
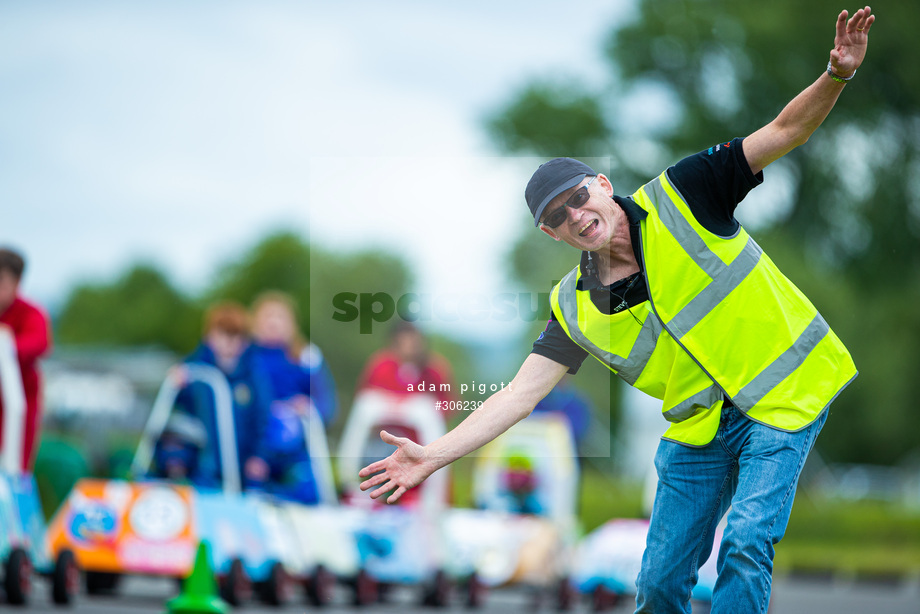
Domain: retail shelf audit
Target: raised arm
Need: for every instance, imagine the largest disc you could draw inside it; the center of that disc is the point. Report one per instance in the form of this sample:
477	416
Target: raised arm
410	464
802	116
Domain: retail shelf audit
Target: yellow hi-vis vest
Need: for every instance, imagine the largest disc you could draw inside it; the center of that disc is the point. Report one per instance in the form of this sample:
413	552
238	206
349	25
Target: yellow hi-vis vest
721	322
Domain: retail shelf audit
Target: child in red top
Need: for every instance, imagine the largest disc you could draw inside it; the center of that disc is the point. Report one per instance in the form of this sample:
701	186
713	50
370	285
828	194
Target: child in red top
31	331
407	364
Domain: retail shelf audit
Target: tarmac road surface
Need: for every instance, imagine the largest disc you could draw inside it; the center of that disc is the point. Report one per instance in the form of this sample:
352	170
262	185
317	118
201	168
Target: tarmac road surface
790	596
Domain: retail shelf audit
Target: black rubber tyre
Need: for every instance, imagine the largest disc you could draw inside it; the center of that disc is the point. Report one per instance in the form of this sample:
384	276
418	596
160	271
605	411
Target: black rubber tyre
65	578
476	592
437	593
321	587
603	598
565	595
384	592
365	589
235	587
17	578
276	589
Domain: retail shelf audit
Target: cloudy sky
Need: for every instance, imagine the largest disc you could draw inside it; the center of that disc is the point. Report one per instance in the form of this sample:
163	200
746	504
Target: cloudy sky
181	133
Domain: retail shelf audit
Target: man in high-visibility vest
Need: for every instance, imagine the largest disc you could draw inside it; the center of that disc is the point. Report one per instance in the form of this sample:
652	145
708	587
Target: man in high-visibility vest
677	299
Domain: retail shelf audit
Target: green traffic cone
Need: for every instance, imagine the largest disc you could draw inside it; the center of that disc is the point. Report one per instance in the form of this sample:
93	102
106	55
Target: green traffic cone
199	591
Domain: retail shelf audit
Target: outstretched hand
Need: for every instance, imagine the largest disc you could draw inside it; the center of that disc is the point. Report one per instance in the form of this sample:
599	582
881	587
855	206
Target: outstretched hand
405	468
851	40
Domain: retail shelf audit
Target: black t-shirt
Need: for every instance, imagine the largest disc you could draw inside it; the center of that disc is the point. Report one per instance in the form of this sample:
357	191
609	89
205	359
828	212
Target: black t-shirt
712	182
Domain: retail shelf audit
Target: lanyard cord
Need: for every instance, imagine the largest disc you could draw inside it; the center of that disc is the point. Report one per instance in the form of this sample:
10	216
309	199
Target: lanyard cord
623	302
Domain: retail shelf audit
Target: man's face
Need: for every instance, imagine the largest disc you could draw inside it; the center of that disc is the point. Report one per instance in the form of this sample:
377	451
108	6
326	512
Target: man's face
9	287
591	226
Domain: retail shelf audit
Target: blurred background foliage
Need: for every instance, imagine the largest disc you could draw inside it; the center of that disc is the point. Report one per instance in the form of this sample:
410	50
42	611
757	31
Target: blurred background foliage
141	307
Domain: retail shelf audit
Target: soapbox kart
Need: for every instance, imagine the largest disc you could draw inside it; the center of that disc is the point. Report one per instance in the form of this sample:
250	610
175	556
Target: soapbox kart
524	528
400	544
22	522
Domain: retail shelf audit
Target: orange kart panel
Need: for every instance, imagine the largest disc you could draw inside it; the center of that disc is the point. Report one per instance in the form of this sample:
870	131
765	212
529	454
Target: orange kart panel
126	527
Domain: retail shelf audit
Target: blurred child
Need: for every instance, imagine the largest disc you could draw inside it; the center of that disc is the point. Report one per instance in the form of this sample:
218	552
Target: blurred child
31	331
225	345
406	363
296	367
300	379
567	400
519	485
179	448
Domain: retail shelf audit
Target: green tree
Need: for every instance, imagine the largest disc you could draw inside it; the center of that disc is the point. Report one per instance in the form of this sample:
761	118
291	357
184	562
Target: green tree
551	117
140	308
851	231
280	262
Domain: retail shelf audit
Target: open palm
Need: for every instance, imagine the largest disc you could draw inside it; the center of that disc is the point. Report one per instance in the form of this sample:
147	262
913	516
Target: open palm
851	40
405	468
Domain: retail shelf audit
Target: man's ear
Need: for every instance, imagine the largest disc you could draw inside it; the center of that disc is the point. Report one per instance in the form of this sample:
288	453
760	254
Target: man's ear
606	184
550	232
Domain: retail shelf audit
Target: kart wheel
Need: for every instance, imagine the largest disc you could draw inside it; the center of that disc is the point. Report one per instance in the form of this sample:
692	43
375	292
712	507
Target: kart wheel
17	579
235	587
476	591
276	589
321	587
65	579
365	589
565	595
437	594
100	582
603	598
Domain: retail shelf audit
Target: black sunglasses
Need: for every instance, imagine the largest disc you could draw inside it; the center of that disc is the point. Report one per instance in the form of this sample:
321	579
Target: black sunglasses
576	201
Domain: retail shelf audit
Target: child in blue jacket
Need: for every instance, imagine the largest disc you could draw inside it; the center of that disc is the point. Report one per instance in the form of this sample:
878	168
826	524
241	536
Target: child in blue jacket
225	345
299	378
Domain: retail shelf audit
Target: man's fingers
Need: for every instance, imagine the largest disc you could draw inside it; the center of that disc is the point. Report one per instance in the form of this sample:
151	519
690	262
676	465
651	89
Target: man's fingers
373	481
372	468
841	26
853	23
387	487
392	439
861	20
396	495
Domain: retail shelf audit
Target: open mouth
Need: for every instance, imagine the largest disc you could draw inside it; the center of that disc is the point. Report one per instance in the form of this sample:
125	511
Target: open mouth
588	228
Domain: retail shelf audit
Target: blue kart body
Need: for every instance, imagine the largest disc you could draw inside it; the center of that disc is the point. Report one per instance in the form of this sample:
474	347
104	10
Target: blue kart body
22	522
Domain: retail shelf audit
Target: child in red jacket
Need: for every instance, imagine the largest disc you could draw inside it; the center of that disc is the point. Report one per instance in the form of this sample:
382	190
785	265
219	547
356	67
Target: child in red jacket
31	331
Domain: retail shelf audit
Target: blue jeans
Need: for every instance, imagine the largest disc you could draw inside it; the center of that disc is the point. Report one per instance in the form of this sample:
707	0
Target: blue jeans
748	467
